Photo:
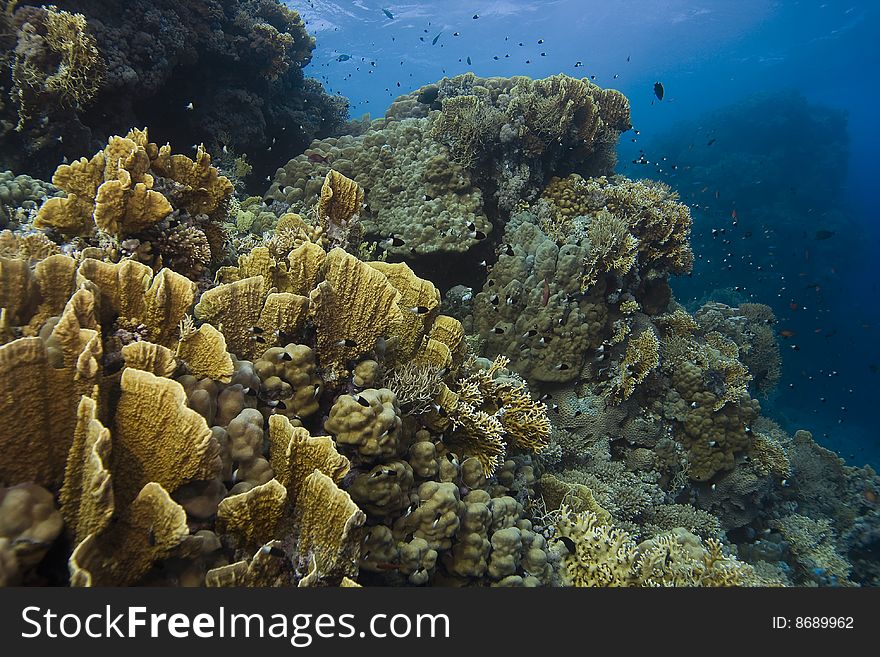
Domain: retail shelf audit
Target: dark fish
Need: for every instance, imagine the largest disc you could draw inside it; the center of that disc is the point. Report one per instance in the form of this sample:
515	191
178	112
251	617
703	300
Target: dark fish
276	552
568	543
434	42
317	157
363	402
824	234
476	16
711	141
480	235
394	241
343	58
256	329
347	343
419	310
388	14
286	356
469	61
658	90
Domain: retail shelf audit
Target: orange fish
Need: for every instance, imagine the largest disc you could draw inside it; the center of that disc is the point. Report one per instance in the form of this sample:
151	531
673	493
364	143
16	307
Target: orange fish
793	305
733	214
785	333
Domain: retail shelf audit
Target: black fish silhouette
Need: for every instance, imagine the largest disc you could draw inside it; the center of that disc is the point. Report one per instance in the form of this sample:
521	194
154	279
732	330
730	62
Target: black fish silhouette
658	90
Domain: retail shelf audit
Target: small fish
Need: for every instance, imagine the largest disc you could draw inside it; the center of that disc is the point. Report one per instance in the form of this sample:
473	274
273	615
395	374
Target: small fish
658	90
540	41
479	235
360	400
419	310
711	141
276	552
568	543
469	61
317	157
388	14
476	16
563	366
343	58
824	234
347	343
393	241
786	333
434	42
190	106
578	64
456	34
498	330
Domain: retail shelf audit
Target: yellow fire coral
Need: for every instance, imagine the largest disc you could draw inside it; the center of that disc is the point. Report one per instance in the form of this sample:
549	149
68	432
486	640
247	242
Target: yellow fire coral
36	429
113	190
157	438
339	208
352	308
201	189
134	299
204	352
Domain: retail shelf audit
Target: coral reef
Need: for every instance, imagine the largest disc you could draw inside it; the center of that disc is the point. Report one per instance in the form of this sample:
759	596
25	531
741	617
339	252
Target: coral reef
228	74
243	394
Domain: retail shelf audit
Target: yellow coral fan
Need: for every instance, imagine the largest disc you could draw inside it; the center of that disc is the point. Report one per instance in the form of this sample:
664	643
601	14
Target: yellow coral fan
113	190
352	308
134	299
151	528
204	352
419	301
157	438
338	209
295	455
202	190
87	502
36	428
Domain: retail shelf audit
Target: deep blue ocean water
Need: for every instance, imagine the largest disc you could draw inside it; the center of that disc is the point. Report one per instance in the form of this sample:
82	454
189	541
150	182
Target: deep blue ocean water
771	106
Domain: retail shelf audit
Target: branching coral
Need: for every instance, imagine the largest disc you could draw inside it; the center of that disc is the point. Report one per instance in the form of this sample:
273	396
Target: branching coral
606	556
642	357
56	64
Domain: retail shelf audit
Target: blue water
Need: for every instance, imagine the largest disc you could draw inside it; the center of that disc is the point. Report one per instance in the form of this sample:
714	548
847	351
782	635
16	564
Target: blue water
814	61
